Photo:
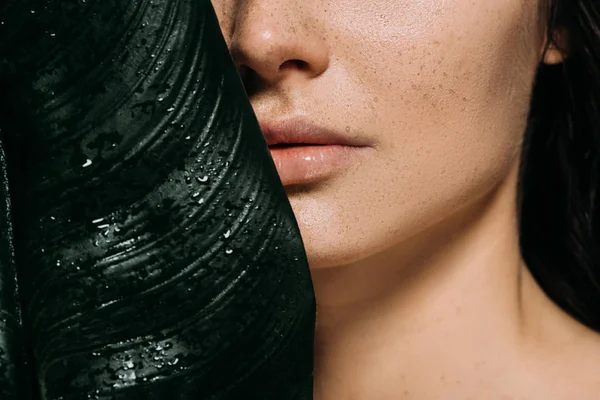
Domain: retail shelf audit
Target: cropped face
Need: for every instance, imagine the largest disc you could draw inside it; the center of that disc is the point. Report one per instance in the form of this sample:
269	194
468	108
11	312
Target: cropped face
408	110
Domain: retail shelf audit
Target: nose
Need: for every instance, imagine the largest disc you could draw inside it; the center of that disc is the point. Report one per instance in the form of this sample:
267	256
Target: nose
275	39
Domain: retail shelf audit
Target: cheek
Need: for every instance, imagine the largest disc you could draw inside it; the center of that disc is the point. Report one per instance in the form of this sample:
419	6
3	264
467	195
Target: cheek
446	106
452	98
432	54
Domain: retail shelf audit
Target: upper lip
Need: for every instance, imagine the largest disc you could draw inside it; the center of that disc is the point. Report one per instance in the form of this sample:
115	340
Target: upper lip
303	131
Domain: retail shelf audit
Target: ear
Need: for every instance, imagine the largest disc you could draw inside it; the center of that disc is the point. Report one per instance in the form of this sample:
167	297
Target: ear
558	47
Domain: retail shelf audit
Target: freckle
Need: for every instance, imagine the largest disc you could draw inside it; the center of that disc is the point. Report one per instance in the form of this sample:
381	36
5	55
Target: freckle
465	99
445	74
406	393
376	99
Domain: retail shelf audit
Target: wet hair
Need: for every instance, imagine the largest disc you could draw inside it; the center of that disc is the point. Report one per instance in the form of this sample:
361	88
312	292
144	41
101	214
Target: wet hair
560	170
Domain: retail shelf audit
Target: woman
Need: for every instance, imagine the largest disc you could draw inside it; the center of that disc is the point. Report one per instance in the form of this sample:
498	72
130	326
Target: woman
449	212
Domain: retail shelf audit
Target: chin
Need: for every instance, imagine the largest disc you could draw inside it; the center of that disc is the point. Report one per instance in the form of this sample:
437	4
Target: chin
323	251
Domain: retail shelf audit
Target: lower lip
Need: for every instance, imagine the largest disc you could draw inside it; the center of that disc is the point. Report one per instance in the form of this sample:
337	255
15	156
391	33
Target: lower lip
310	163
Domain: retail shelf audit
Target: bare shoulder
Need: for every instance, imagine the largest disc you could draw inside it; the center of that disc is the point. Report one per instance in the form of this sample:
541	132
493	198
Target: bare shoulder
562	360
586	364
576	373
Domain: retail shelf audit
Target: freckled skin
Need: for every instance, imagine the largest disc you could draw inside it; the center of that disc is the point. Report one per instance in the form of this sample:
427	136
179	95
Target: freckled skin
439	88
421	289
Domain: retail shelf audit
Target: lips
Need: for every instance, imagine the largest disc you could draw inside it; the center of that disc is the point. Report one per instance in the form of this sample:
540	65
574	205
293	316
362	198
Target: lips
301	131
305	152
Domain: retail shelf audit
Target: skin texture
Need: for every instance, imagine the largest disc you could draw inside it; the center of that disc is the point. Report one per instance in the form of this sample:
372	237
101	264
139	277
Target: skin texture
421	289
438	89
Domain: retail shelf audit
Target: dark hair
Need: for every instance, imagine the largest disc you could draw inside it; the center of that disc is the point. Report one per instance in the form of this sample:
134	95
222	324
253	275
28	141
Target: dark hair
560	170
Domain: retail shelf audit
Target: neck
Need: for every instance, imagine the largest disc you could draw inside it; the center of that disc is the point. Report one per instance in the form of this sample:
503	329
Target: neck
424	314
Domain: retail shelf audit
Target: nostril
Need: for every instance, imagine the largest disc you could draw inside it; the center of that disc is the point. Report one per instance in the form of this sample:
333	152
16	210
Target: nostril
253	80
298	64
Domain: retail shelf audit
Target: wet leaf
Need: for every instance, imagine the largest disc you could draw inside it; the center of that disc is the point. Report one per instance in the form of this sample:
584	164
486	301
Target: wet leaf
156	253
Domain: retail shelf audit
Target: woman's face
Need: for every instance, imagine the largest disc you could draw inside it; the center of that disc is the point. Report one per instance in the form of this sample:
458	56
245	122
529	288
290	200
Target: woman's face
436	91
